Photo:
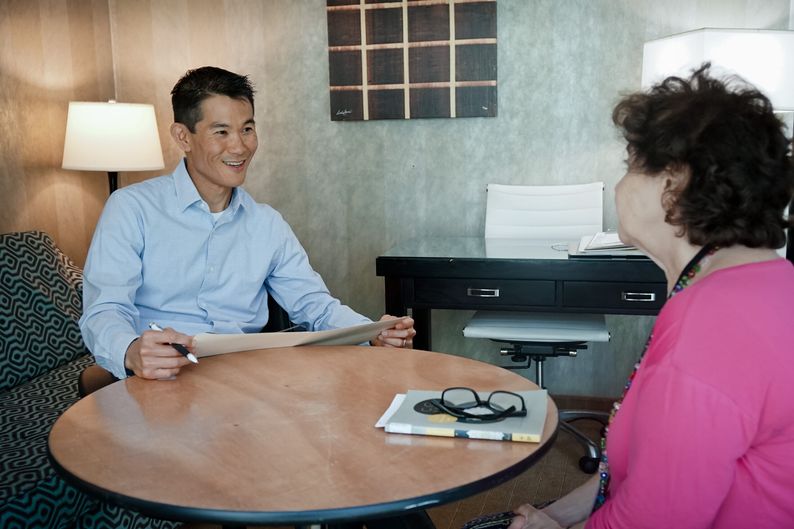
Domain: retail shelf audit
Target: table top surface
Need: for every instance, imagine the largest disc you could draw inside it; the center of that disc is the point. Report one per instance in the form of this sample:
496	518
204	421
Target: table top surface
480	248
283	436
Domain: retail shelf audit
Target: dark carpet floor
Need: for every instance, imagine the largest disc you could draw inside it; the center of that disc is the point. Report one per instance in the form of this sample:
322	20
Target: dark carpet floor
553	476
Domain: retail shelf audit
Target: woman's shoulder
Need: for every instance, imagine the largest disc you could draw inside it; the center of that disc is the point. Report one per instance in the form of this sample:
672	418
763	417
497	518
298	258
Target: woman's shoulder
764	286
735	322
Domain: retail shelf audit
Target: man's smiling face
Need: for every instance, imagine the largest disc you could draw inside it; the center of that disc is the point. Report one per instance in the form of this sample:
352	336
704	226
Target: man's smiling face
220	151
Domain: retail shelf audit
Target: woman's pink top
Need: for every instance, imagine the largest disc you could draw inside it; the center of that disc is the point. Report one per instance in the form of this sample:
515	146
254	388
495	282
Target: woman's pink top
705	437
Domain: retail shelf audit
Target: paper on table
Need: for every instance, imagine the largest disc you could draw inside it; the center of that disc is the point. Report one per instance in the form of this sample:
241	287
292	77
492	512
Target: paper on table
604	240
209	344
580	249
395	404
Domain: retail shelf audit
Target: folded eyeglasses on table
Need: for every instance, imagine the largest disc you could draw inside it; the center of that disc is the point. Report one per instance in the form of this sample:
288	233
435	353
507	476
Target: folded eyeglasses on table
467	405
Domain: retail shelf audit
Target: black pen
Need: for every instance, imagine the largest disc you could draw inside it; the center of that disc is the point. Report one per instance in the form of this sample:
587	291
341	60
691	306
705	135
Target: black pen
178	346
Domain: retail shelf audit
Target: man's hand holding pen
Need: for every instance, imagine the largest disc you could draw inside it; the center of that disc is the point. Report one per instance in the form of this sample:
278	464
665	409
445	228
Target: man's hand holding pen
154	354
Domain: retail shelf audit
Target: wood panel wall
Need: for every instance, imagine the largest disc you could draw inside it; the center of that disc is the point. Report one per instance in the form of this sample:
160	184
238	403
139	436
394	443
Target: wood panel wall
51	52
156	42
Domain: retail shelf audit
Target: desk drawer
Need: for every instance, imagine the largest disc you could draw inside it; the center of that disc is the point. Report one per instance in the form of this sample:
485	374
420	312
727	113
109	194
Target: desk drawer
485	292
627	296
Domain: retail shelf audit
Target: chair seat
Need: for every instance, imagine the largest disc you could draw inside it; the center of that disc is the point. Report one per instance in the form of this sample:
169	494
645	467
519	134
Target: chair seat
537	327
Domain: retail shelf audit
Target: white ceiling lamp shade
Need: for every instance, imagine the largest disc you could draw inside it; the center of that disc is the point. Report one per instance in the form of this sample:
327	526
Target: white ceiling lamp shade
764	58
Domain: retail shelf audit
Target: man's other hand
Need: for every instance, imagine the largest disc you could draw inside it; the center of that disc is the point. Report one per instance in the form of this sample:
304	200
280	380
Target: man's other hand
401	335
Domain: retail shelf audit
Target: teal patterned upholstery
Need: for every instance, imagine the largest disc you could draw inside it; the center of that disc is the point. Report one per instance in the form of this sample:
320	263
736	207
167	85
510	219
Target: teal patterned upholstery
41	357
31	494
40	303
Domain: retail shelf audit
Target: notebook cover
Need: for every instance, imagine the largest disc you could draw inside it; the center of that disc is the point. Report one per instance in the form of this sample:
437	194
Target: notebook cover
529	429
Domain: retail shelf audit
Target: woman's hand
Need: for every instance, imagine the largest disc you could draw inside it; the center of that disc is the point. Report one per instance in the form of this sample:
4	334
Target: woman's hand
528	517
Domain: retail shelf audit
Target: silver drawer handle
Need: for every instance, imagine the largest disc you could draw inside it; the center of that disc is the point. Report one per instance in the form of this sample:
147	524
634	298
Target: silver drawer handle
482	292
638	296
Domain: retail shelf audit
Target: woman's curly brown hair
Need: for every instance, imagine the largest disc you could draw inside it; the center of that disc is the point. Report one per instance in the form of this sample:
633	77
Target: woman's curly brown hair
728	138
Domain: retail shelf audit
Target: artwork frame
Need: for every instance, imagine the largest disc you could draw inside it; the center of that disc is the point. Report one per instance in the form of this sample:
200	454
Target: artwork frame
408	59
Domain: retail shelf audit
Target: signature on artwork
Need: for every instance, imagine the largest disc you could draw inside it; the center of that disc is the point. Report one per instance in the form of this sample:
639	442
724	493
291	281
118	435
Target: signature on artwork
343	112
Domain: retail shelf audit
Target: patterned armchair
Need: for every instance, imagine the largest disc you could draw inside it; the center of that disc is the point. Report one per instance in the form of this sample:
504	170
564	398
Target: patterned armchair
41	357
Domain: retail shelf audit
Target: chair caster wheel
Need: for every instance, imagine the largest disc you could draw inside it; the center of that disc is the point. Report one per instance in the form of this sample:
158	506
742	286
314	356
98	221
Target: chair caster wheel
589	465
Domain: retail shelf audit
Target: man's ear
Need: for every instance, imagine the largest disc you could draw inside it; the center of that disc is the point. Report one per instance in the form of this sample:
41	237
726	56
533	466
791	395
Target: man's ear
181	135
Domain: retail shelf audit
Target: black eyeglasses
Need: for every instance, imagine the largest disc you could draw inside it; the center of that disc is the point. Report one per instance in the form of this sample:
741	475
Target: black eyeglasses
466	405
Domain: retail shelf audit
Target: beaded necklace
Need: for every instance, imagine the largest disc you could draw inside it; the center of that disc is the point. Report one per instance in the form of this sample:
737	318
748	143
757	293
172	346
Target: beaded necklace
689	272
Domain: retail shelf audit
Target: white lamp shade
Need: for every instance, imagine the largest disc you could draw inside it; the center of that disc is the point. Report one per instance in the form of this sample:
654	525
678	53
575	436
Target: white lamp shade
111	137
764	58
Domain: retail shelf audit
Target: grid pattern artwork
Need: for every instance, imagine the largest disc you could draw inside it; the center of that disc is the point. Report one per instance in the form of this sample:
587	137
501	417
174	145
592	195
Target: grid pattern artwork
403	59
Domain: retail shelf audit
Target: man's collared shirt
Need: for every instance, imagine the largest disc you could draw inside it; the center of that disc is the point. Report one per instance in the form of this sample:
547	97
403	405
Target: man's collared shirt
158	255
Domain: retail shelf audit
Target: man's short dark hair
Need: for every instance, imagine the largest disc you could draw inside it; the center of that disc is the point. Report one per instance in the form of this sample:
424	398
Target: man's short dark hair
725	134
199	84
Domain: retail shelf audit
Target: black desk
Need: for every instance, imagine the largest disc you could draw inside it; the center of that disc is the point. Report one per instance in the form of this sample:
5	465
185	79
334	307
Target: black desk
470	273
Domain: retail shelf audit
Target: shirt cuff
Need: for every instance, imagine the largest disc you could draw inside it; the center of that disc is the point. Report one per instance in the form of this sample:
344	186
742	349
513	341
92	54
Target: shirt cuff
118	354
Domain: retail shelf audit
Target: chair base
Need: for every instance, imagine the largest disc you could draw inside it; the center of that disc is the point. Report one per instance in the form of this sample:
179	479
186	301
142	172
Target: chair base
539	352
589	462
525	353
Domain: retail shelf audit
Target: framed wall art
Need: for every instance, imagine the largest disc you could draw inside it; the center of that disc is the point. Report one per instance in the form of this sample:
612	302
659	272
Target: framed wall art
406	59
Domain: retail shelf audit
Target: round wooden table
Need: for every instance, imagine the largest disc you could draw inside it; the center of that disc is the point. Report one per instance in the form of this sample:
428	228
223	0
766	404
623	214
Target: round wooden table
283	436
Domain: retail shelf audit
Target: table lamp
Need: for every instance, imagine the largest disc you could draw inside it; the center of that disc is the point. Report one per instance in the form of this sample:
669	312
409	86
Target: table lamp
764	58
111	137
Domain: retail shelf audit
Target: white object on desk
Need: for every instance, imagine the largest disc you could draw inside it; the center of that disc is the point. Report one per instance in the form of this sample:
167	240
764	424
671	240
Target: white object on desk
603	240
606	245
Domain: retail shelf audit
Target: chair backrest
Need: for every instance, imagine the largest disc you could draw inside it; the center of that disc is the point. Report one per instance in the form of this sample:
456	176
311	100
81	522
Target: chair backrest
278	319
559	212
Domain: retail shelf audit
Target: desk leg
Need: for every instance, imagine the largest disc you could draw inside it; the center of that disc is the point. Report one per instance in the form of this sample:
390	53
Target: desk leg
395	301
422	325
397	292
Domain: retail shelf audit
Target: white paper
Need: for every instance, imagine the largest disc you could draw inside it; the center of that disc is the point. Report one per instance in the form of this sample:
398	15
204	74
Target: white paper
605	240
209	344
398	399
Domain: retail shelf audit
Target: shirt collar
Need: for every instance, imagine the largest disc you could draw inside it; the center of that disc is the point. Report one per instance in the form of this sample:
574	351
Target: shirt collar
187	194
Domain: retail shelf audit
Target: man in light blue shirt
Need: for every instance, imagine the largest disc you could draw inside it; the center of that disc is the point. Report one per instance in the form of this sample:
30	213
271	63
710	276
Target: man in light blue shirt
194	252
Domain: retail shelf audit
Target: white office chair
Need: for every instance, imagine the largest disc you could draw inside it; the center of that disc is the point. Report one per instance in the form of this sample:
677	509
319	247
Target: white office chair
555	214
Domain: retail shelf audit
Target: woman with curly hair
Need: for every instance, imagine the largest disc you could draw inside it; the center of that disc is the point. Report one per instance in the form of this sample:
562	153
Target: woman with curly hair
704	434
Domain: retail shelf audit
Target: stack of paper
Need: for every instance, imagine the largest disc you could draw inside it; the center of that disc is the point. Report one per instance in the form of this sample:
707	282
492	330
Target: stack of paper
604	240
605	244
